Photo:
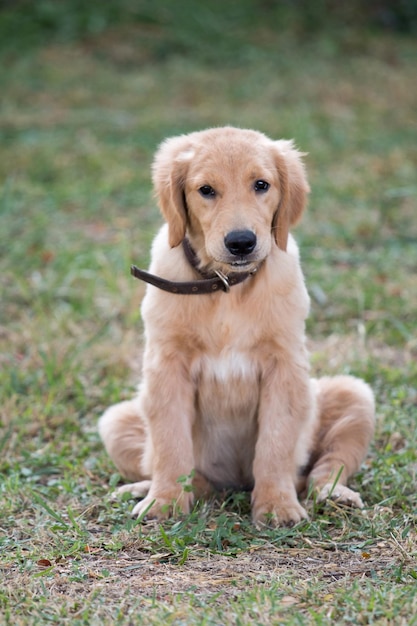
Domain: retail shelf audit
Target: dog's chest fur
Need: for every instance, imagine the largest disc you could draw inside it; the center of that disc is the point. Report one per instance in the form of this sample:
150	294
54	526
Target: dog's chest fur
226	399
227	377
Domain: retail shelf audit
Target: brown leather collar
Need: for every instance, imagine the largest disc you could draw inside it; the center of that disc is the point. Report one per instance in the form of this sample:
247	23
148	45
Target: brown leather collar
205	285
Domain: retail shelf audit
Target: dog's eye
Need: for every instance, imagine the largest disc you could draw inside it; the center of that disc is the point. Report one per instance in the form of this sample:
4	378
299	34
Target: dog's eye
261	185
206	190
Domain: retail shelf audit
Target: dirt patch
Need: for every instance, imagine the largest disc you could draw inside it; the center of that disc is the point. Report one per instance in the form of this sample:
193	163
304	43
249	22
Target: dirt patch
156	576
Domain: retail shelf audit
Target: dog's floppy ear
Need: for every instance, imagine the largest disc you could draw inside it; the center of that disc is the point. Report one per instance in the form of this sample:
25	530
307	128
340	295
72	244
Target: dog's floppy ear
169	171
294	190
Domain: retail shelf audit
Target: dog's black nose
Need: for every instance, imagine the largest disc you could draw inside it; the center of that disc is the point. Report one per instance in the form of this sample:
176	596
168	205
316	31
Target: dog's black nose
240	242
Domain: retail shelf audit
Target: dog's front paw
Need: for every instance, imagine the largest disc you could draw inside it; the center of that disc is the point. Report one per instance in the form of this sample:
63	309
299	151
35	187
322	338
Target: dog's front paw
340	494
136	490
163	506
279	510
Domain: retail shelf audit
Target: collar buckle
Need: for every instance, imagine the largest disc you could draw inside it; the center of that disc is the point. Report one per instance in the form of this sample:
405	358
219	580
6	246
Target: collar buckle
224	280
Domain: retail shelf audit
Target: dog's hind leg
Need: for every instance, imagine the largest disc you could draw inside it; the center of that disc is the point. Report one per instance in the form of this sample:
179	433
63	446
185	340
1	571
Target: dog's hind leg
346	416
124	436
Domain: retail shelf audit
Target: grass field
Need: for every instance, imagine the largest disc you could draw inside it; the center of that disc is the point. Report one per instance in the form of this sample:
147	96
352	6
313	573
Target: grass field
87	93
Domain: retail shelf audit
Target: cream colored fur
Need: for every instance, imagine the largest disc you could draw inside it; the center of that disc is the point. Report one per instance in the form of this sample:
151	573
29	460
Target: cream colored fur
226	392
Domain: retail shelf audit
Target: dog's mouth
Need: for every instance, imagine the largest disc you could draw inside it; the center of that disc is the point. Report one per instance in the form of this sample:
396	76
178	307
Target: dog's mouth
231	263
241	264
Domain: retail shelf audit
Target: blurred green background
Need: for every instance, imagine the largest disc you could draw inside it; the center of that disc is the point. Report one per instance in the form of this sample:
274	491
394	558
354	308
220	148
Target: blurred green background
89	89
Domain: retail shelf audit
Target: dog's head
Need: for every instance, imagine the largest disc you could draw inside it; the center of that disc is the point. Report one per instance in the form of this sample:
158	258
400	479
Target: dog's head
233	192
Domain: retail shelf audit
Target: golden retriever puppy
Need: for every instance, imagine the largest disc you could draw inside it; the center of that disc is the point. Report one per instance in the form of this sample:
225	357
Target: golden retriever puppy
226	400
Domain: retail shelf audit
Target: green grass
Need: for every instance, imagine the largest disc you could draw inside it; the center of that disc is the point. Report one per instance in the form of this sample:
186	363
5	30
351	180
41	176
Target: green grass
88	92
